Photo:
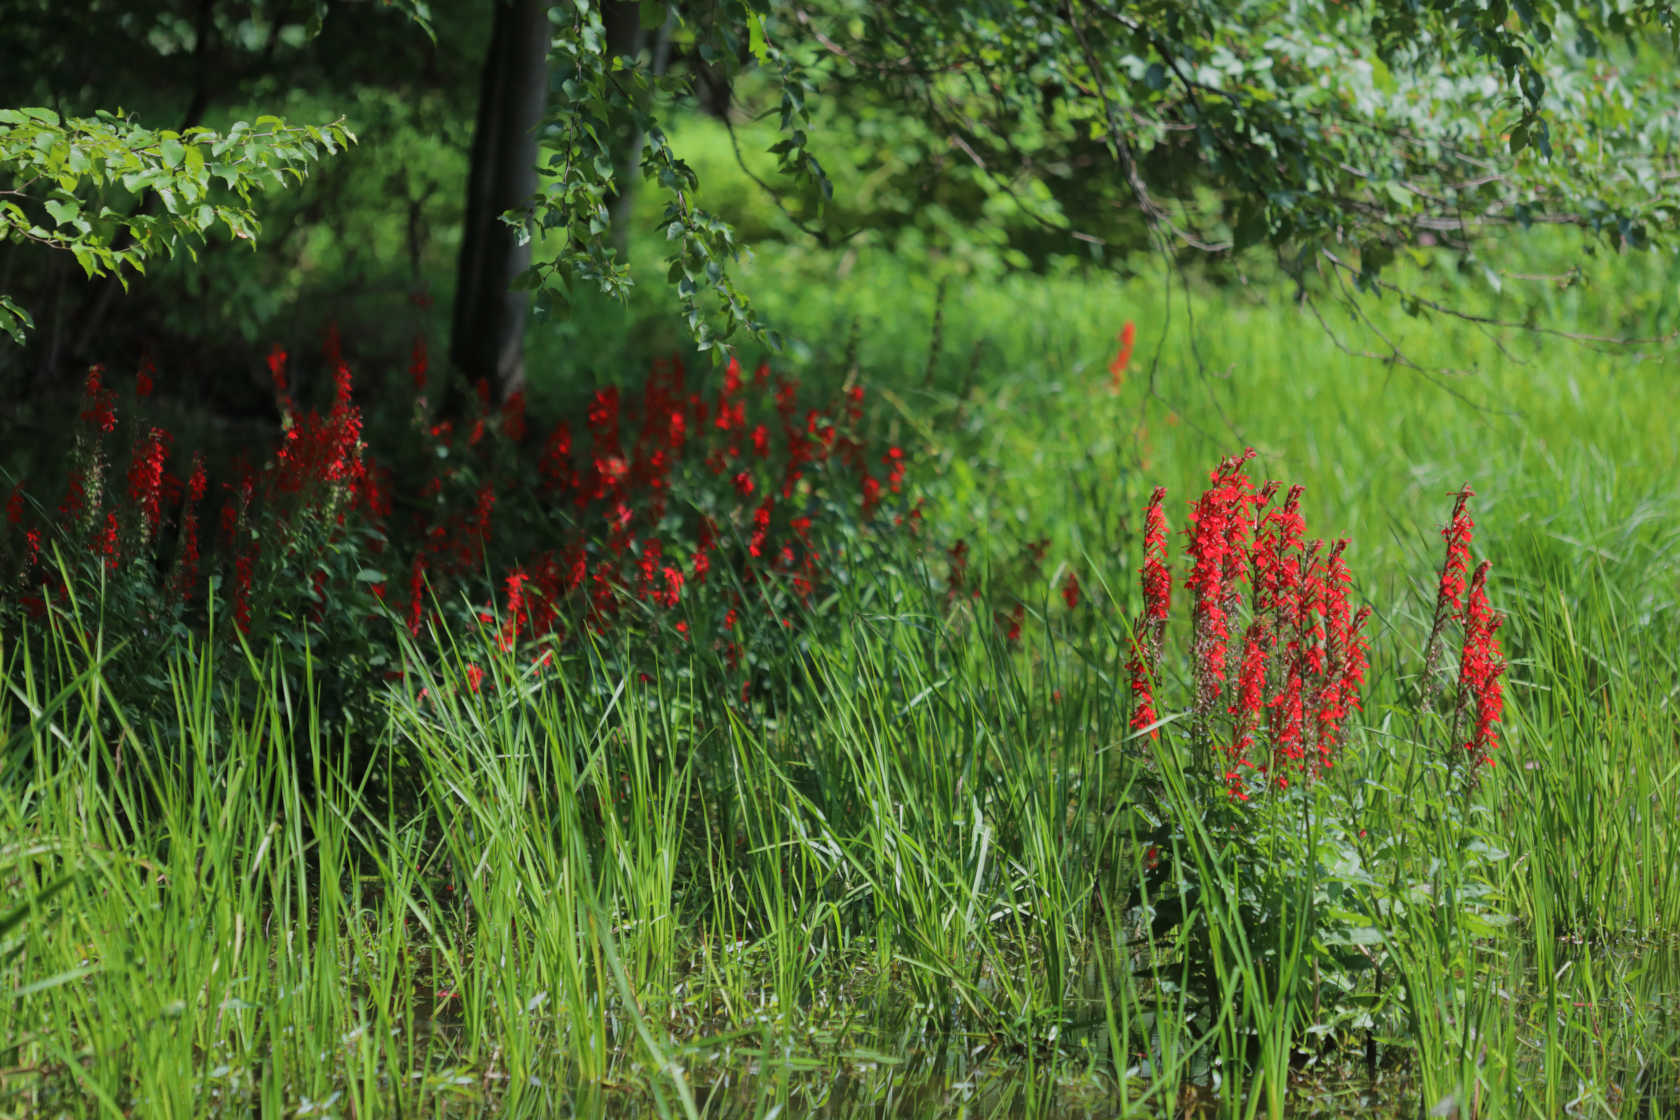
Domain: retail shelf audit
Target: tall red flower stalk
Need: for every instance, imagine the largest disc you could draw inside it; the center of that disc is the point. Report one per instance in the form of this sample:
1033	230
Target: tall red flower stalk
145	481
105	543
1481	666
516	609
1156	580
1277	546
1330	699
1241	499
1454	568
277	374
1218	521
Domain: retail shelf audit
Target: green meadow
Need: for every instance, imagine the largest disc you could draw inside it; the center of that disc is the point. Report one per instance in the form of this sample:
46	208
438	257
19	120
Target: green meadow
932	867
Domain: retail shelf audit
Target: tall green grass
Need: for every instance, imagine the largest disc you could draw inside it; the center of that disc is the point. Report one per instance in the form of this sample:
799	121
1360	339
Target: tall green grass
930	870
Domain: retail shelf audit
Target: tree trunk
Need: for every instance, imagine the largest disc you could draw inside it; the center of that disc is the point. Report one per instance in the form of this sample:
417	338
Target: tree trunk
487	336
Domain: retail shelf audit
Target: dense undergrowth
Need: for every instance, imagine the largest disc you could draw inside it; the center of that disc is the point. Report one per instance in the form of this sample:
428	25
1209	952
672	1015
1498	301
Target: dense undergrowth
872	742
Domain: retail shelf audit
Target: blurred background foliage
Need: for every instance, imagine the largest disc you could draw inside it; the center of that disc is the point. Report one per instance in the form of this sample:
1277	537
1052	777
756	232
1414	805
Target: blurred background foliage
1113	153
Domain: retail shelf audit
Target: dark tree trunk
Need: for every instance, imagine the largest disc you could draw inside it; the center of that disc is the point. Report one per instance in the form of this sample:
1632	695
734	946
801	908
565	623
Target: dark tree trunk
487	336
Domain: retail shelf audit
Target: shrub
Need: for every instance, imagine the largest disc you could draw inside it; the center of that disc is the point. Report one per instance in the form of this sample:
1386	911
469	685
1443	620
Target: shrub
674	513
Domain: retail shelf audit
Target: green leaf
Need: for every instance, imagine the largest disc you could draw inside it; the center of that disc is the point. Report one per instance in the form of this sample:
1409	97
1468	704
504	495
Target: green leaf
756	42
14	320
86	258
63	211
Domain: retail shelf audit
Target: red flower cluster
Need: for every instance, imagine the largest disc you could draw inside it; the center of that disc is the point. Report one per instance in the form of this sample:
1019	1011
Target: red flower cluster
752	469
1302	658
318	451
303	491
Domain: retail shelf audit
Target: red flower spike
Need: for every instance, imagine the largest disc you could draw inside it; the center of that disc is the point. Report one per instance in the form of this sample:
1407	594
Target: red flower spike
1287	720
145	479
516	610
893	460
1013	621
1481	666
1276	573
105	544
1117	368
1457	533
1333	699
1210	530
98	403
1070	590
1156	577
1156	581
1356	661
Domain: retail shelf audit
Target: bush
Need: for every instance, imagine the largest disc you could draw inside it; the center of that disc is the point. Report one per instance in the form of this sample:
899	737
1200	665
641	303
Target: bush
684	516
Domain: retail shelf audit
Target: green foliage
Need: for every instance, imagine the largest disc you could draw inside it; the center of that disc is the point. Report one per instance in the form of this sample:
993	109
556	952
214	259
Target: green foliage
930	840
78	185
1330	136
599	94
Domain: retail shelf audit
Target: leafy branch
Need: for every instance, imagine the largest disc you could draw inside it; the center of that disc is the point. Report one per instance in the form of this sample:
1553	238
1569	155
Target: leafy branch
74	182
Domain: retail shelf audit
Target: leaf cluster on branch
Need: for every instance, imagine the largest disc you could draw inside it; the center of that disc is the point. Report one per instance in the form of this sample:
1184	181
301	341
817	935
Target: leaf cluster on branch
1333	136
77	184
